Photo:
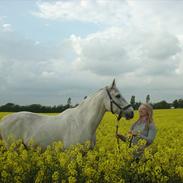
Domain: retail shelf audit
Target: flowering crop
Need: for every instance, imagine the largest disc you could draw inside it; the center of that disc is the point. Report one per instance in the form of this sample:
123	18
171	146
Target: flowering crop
162	161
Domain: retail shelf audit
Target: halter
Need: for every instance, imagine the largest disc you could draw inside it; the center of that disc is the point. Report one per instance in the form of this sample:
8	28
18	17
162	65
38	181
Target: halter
120	114
113	102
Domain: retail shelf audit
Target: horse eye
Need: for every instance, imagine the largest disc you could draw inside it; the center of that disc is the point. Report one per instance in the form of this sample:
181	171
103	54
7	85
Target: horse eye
118	96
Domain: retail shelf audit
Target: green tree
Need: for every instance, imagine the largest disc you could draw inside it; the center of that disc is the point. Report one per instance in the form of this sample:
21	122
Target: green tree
69	102
132	101
161	105
148	98
175	104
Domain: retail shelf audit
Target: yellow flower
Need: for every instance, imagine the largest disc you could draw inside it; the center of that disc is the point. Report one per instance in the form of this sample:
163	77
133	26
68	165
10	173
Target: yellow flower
4	174
55	176
72	179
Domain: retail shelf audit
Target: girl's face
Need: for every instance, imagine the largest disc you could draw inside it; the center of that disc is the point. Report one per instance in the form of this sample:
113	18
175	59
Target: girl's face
143	111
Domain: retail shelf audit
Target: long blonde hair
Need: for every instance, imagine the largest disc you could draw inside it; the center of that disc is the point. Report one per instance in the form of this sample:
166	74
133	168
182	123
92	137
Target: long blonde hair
149	110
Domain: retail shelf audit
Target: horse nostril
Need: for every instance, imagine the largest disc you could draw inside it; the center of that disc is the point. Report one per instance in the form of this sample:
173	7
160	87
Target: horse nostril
129	115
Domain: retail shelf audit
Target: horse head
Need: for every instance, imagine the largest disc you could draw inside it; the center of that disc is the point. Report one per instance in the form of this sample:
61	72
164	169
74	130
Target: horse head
116	103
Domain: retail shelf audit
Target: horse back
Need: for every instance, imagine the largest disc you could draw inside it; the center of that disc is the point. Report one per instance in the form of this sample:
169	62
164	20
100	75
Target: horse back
20	125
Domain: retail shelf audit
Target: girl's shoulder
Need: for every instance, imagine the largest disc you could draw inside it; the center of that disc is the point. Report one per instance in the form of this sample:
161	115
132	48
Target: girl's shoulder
134	124
152	125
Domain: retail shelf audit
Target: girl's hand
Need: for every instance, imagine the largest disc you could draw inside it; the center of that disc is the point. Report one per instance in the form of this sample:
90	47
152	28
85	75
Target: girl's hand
133	133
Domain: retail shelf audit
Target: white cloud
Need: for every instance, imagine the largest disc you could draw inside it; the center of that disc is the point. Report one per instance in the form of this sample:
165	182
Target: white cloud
138	38
161	45
139	43
157	15
32	73
103	53
7	28
116	51
110	12
146	15
4	26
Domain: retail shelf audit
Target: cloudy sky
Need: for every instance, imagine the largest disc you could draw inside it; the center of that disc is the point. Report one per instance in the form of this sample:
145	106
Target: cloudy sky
54	49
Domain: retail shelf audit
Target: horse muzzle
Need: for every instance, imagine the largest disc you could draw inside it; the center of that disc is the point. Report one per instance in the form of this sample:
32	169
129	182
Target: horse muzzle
129	115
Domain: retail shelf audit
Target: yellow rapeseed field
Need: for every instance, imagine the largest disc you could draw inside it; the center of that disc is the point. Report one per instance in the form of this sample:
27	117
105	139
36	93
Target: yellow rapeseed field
162	161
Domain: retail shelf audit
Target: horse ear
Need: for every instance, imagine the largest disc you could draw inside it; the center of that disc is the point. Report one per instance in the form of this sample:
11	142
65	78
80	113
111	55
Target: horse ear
113	84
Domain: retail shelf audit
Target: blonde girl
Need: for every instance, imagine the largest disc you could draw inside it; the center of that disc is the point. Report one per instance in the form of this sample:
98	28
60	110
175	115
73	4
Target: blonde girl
143	128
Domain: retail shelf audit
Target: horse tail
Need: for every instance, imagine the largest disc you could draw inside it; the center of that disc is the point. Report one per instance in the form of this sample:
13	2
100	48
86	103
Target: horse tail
0	135
1	138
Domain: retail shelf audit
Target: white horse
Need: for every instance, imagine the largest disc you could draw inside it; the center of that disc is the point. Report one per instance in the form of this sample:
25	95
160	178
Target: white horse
75	125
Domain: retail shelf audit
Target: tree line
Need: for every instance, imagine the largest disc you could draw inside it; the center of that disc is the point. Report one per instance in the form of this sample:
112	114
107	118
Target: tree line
11	107
178	103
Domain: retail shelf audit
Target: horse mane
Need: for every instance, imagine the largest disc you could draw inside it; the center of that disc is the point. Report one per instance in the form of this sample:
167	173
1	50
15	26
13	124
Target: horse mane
88	98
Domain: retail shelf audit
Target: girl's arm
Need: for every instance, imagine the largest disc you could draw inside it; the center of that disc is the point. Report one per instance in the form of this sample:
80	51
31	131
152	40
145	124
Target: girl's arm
151	134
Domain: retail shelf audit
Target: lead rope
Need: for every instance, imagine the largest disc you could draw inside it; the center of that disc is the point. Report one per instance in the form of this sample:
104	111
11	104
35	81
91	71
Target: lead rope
117	127
130	144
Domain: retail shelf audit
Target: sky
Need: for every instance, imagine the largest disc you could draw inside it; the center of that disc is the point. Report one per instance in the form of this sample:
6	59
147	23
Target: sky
51	50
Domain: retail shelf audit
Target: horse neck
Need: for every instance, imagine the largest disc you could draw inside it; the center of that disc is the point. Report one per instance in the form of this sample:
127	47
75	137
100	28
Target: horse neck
93	110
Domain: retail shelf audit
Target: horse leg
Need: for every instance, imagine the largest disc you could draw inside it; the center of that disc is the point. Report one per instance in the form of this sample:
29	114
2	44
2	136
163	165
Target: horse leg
93	141
25	146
